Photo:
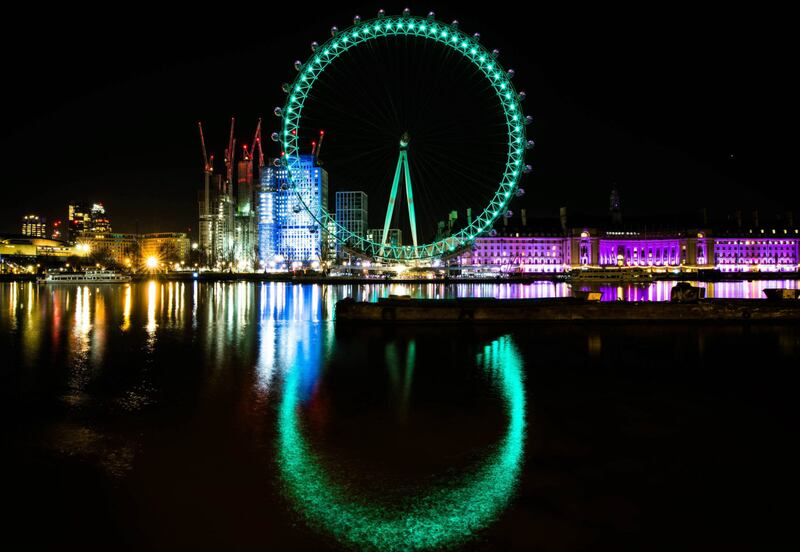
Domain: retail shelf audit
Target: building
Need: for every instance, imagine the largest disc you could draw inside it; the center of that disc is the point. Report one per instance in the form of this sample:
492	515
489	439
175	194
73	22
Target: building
216	228
516	251
34	226
331	244
132	250
545	248
351	214
395	236
31	247
98	220
265	215
79	218
123	250
167	247
765	250
245	237
289	235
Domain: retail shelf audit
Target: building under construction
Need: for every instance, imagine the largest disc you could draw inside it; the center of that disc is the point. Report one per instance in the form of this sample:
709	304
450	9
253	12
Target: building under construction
227	216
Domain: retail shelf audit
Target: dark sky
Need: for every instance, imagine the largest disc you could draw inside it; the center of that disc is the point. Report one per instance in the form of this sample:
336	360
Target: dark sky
682	107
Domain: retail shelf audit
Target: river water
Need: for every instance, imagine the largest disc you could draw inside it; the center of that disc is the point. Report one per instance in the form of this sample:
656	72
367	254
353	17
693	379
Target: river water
240	416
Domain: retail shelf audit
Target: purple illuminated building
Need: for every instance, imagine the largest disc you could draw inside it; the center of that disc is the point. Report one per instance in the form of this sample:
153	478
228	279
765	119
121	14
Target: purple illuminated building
524	250
766	251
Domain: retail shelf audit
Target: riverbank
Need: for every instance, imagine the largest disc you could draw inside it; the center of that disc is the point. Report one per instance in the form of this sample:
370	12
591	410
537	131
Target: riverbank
288	277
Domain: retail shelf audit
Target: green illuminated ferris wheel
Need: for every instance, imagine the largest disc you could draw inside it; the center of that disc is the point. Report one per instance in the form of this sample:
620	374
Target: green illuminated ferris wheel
483	65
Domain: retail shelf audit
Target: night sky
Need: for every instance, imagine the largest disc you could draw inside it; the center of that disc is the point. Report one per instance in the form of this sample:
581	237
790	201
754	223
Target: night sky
680	107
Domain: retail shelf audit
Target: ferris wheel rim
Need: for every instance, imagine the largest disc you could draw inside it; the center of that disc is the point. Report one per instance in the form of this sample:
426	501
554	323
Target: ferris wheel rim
427	28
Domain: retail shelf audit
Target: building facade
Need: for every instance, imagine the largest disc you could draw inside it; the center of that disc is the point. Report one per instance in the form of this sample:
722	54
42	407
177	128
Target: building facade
133	250
99	221
770	250
351	214
765	250
265	215
216	222
245	239
31	247
395	236
34	226
516	252
288	234
79	218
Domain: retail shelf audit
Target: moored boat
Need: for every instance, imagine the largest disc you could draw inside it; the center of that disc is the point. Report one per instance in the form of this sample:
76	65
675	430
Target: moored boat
87	277
611	274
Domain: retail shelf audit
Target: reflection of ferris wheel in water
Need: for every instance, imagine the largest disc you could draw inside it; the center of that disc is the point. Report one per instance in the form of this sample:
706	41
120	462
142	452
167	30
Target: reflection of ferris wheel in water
504	183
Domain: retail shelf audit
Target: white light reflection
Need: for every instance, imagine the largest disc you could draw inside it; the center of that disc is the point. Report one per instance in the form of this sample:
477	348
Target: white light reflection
152	298
126	309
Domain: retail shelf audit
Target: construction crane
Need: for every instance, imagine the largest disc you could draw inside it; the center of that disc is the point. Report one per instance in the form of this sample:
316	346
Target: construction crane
229	155
260	151
249	153
208	162
256	138
257	144
318	147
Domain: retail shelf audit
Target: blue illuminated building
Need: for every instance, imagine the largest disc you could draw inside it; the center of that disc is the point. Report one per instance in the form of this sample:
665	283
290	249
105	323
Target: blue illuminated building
288	236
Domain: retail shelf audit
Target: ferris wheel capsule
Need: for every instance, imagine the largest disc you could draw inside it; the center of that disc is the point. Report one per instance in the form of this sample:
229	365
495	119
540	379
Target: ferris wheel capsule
356	19
298	65
285	87
454	24
276	162
509	213
527	169
529	145
493	232
381	13
495	52
275	136
431	15
278	112
511	73
477	36
528	120
522	95
406	12
314	46
334	30
520	192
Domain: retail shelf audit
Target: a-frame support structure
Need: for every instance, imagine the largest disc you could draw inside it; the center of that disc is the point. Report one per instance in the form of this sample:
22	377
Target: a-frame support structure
402	162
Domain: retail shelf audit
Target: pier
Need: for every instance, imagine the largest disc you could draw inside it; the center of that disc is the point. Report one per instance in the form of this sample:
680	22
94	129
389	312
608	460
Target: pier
406	310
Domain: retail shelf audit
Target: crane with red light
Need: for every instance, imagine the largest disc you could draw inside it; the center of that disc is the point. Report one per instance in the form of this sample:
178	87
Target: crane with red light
208	162
318	146
229	155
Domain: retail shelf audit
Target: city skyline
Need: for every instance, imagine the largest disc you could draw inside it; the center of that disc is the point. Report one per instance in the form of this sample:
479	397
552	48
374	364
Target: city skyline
395	276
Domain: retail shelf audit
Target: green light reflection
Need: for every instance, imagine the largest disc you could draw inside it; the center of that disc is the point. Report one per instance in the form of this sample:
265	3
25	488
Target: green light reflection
443	516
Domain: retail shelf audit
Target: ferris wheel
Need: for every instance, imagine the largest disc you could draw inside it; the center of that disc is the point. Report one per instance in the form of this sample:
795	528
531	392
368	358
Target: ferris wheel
487	187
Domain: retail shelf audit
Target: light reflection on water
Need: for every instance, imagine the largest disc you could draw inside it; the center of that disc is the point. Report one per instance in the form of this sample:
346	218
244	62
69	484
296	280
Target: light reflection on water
655	291
230	305
241	318
263	363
